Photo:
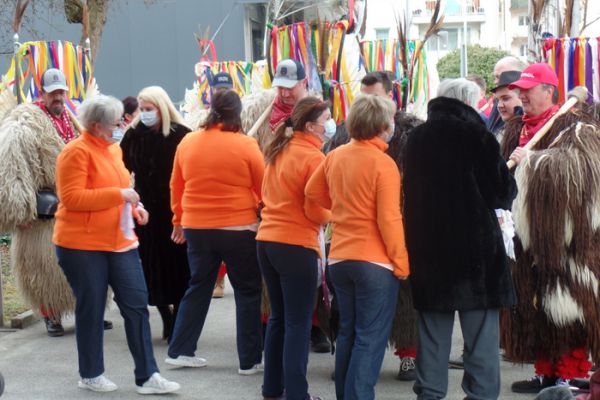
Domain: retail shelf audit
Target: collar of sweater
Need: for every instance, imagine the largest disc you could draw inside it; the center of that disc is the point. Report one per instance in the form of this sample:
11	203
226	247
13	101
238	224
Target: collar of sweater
307	137
96	141
376	142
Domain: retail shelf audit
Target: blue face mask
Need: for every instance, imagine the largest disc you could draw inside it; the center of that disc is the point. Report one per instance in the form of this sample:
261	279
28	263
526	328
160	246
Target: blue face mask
149	118
330	128
117	134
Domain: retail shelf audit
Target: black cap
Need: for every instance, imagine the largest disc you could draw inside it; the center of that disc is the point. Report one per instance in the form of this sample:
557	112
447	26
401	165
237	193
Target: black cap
506	78
222	80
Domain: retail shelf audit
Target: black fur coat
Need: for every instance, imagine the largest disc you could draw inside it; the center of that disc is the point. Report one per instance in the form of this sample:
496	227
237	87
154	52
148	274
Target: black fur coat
454	179
149	155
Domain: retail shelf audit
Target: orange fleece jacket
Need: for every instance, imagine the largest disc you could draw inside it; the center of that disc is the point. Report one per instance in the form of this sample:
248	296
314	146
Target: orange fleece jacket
288	217
216	180
361	185
89	177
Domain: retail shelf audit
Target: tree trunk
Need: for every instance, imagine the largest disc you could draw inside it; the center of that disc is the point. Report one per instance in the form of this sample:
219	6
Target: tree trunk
97	10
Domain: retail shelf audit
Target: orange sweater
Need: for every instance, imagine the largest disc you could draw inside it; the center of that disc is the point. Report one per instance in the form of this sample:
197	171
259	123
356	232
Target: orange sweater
216	180
361	185
288	217
89	177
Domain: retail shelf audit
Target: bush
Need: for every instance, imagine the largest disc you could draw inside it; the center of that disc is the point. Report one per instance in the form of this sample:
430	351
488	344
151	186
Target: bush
481	61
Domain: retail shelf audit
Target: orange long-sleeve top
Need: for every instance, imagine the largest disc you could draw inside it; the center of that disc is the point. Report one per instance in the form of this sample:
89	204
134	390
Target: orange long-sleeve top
89	177
361	186
288	216
216	180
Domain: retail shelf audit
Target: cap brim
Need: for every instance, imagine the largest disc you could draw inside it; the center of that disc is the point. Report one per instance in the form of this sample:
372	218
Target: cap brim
493	90
522	84
223	85
52	88
284	82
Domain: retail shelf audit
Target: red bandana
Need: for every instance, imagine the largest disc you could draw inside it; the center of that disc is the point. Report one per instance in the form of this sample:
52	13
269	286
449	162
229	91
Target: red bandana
279	113
534	124
62	124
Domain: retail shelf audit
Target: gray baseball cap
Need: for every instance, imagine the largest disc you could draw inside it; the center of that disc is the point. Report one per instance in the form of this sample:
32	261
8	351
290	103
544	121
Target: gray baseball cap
288	73
53	79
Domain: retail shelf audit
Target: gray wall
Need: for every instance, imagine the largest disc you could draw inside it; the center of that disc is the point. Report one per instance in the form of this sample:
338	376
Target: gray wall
151	44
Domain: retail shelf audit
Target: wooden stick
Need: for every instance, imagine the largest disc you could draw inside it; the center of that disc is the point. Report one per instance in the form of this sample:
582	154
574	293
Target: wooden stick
260	120
575	96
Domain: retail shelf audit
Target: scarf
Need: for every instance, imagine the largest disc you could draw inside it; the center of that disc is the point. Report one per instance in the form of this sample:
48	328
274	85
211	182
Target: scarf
279	113
534	124
61	123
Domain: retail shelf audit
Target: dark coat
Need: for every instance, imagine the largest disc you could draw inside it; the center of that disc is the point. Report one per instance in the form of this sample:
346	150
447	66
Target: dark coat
149	155
454	179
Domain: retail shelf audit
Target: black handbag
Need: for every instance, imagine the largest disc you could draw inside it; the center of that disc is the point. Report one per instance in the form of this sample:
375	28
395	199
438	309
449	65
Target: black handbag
47	203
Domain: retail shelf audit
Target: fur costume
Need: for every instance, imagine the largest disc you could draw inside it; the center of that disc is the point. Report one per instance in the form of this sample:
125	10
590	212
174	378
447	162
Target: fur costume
557	220
29	145
253	105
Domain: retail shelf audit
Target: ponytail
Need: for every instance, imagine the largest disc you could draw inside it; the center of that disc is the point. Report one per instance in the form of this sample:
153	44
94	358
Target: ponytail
283	136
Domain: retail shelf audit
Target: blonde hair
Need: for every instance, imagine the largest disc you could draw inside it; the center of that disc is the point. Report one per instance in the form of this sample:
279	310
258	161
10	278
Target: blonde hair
369	116
168	113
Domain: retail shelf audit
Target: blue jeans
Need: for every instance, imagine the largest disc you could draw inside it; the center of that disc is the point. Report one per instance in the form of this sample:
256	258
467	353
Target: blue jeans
89	273
367	295
290	273
206	249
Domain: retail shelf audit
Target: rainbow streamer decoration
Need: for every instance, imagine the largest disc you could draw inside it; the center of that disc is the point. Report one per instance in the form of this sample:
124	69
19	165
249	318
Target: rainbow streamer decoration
576	63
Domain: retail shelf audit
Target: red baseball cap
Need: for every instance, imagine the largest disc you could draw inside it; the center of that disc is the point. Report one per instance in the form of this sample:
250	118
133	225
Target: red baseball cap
534	75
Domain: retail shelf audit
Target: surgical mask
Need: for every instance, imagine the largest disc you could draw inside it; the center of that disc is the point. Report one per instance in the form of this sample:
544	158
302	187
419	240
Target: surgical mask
149	118
330	128
389	134
117	134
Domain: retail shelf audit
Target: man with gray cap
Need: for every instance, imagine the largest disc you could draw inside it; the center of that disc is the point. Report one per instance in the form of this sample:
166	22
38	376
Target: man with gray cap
31	137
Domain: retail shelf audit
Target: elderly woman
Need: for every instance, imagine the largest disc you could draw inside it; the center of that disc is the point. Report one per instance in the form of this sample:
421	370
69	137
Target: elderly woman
148	151
215	189
361	186
96	247
454	179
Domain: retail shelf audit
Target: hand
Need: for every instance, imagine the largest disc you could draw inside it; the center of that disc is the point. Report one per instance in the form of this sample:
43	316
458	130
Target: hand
402	278
518	155
177	236
141	215
130	196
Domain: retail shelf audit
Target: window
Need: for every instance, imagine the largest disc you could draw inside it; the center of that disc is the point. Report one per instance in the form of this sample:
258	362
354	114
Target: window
524	20
523	50
382	33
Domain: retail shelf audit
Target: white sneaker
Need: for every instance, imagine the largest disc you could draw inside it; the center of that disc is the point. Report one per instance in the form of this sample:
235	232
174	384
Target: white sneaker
97	384
158	385
256	368
187	361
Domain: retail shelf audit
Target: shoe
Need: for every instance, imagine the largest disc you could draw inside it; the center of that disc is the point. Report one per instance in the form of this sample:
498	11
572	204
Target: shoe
107	325
97	384
533	385
282	397
580	383
255	369
186	361
54	327
219	290
456	363
318	341
158	385
407	370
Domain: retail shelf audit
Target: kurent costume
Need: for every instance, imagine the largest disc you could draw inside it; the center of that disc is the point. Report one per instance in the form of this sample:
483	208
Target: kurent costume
149	154
30	141
557	269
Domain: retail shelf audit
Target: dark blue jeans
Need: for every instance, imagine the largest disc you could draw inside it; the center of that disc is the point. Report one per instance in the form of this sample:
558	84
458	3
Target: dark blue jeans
206	249
89	273
367	295
290	273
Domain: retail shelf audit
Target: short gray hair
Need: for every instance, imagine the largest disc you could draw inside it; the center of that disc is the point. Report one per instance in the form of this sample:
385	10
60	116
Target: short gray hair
460	89
99	109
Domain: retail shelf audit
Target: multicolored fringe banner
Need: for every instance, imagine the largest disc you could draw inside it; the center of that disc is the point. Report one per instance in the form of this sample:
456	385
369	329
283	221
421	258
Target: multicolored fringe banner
385	55
34	58
576	62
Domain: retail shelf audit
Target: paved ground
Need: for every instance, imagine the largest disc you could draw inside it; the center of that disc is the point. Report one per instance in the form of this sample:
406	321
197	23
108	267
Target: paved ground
38	367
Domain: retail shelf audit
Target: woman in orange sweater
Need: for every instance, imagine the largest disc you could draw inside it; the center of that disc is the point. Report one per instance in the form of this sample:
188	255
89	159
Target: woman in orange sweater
96	246
361	186
215	191
288	246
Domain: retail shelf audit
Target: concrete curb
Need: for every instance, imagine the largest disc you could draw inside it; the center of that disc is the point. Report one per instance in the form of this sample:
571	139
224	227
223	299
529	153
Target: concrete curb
24	320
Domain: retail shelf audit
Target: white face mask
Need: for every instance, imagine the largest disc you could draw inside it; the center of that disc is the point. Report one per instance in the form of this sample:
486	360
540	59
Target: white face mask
117	134
330	128
149	118
387	136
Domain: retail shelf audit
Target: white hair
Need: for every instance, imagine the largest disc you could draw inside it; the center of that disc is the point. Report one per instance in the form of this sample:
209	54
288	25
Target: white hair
99	109
460	89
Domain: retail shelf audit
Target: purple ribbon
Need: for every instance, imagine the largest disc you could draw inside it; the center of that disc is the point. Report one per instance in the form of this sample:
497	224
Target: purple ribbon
589	78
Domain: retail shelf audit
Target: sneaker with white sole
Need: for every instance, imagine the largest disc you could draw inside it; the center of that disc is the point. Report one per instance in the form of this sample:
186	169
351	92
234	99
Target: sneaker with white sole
255	369
187	361
158	385
97	384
